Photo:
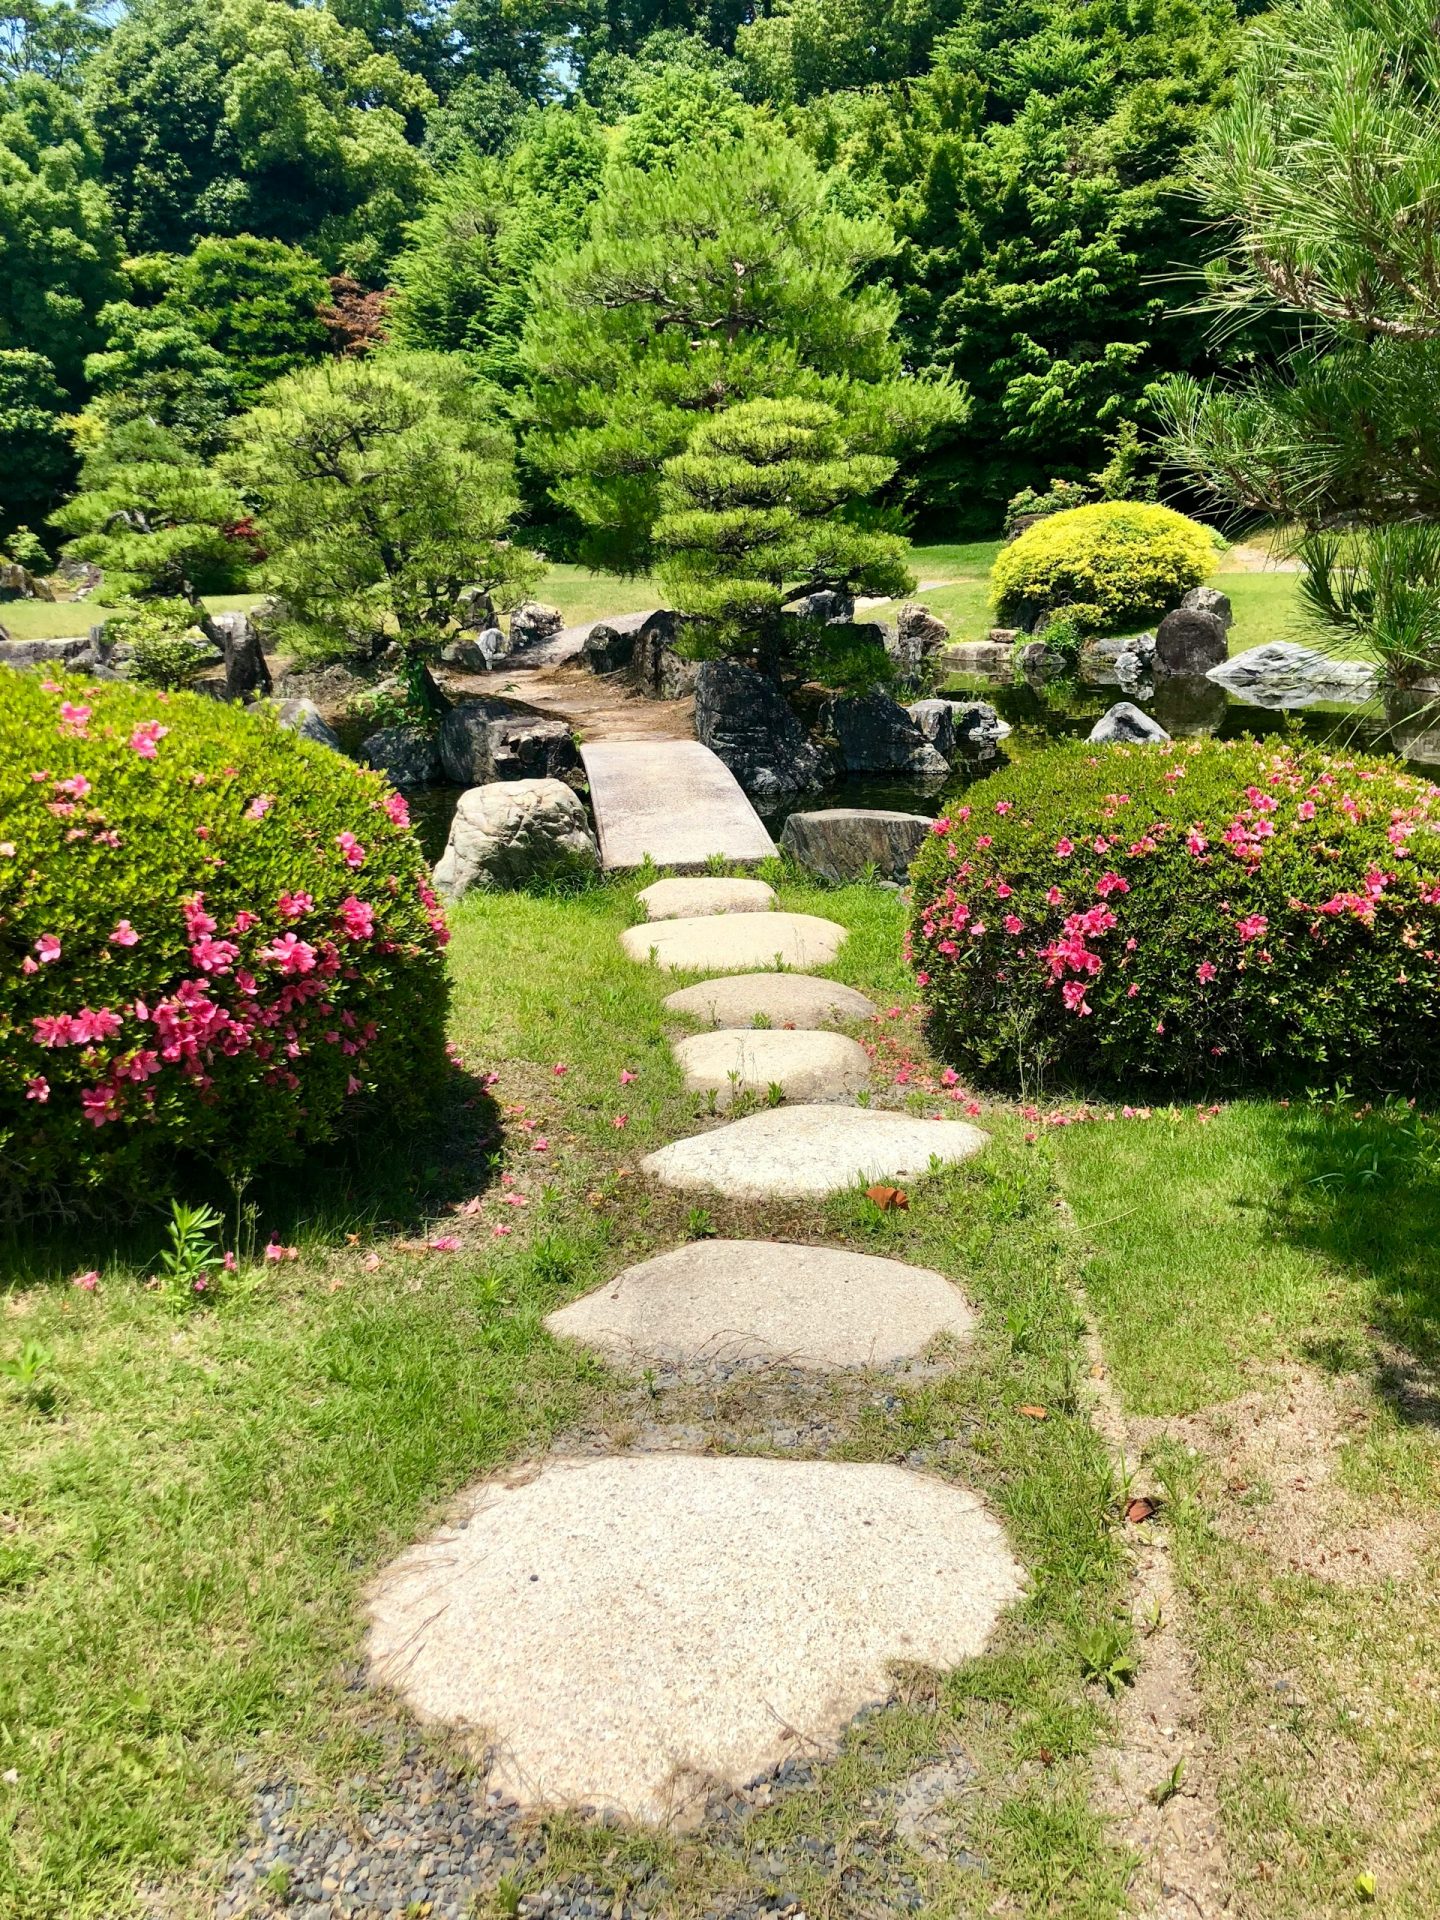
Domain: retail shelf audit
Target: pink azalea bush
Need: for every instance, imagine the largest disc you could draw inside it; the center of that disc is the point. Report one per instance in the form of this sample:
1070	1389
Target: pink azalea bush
215	939
1235	912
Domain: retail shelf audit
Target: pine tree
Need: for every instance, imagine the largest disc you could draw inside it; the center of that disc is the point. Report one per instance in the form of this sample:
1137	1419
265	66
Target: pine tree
765	506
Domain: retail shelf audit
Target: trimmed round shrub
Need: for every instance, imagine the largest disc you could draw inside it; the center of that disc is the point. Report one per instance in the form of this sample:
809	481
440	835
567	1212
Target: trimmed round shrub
1116	562
1225	912
216	939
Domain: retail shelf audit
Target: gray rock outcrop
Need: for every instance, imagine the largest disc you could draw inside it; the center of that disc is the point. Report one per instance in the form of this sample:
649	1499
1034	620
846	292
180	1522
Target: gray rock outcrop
463	743
247	672
876	735
919	640
1283	674
407	756
1189	641
506	833
952	727
844	843
1211	600
656	667
303	717
532	622
1126	723
744	720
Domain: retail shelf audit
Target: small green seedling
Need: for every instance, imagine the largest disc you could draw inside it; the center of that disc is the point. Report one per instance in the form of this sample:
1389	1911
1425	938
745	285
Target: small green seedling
1169	1786
30	1370
774	1093
699	1224
1105	1656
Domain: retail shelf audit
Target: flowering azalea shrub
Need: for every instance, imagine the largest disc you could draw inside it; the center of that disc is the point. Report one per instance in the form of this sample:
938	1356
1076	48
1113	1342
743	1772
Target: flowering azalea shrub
1115	562
215	938
1233	912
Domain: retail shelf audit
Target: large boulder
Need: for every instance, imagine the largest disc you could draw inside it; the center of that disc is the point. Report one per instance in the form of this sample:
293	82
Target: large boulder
994	656
876	735
25	654
513	831
302	717
247	673
1189	641
919	639
1283	674
333	686
18	583
1126	723
844	843
963	727
1039	661
744	720
825	605
656	666
609	647
474	609
1109	662
1211	600
475	652
464	743
531	747
407	756
533	622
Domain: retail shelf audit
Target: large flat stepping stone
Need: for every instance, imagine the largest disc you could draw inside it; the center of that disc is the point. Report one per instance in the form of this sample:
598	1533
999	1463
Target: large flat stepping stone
725	1301
720	943
670	801
795	1150
804	1065
689	899
629	1631
771	999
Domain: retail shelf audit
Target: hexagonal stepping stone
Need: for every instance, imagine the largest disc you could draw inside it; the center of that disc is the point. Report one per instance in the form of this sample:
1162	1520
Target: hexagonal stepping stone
771	1000
805	1065
725	1301
794	1150
631	1630
721	943
690	899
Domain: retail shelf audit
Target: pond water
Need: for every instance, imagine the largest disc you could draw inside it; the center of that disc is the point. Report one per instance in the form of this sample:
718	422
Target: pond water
1042	713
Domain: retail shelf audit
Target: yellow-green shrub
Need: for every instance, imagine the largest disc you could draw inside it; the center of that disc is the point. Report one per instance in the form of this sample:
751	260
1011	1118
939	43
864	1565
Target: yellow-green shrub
1108	564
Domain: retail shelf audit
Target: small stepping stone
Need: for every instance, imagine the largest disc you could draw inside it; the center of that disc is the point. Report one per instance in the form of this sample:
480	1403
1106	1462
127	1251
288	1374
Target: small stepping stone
805	1065
631	1631
771	999
731	1300
687	899
794	1150
721	943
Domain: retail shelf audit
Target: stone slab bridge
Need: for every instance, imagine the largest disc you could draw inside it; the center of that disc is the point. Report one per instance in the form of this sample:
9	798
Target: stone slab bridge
672	801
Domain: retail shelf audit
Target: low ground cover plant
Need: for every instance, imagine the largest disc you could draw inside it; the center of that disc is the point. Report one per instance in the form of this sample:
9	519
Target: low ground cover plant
1105	565
216	940
1227	912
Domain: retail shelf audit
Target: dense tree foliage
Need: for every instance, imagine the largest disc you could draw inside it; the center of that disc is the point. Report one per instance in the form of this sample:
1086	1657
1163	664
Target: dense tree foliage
384	486
35	455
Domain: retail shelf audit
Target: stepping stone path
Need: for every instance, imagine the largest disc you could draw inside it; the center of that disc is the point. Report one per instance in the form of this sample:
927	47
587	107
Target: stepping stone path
685	899
727	1301
725	941
794	1150
632	1629
805	1066
772	1000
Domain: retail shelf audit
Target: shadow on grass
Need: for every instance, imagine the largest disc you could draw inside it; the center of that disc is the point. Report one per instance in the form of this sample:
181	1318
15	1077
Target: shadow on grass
380	1179
1364	1195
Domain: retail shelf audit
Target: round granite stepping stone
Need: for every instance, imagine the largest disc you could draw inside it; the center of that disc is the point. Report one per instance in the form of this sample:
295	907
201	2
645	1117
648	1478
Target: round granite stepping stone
792	1150
629	1630
682	899
724	1301
804	1065
721	943
771	999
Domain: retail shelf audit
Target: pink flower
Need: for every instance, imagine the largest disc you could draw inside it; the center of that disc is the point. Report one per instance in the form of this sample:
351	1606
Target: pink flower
37	1088
73	719
560	1069
145	738
1251	926
357	919
620	1121
1305	810
513	1199
48	948
1054	897
540	1144
7	849
1109	883
124	935
215	956
1131	991
101	1104
87	1282
353	1086
290	954
397	811
371	1263
260	806
1073	994
1064	849
1205	972
292	906
351	848
626	1076
1004	806
77	786
444	1243
275	1252
500	1231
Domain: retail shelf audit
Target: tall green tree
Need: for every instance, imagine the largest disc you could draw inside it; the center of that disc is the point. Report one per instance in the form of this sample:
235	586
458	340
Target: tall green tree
768	503
59	252
730	276
463	281
1035	177
383	487
36	458
50	39
255	116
